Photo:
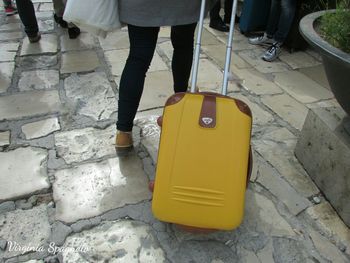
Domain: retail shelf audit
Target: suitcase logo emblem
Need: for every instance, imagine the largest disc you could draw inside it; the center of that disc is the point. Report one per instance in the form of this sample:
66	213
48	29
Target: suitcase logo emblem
207	120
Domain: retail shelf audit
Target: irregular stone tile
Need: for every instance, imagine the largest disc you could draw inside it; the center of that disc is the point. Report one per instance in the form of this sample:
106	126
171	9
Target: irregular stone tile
301	87
46	7
215	32
218	53
43	15
289	250
260	116
34	261
266	254
330	224
6	72
10	27
247	256
24	228
164	32
167	48
29	104
331	103
84	41
8	51
150	135
94	94
84	144
317	74
314	54
115	40
121	241
5	138
28	177
40	128
256	82
46	25
270	179
47	44
204	251
326	248
38	62
10	36
92	189
287	108
282	136
117	59
239	45
209	76
208	38
76	61
298	59
285	163
158	88
262	216
38	80
253	57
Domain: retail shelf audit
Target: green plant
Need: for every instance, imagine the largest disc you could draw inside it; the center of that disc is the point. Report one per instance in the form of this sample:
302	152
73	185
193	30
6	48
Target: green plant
335	26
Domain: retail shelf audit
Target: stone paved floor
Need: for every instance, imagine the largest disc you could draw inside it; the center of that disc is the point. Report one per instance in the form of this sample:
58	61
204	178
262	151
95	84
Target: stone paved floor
61	182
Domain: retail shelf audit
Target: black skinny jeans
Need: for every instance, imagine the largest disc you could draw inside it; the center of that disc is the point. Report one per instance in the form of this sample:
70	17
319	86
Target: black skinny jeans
143	42
27	14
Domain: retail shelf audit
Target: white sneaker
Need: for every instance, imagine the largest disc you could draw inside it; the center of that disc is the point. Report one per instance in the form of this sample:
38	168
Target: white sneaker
272	52
260	40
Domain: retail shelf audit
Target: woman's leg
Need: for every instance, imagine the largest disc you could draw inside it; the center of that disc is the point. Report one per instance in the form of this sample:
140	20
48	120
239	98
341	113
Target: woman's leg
182	39
286	19
27	14
143	42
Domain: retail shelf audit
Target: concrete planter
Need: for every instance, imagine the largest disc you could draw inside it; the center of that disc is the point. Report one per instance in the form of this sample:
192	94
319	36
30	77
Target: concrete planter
335	61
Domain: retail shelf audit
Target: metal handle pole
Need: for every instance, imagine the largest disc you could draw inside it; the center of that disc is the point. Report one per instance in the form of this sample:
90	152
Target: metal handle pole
229	49
198	48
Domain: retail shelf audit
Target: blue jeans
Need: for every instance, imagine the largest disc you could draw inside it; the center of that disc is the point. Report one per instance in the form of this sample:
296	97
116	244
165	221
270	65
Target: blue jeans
281	18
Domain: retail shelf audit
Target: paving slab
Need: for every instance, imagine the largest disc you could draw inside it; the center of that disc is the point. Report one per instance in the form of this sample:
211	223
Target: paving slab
38	62
28	177
28	104
209	76
301	88
10	27
5	138
84	41
40	128
6	36
24	229
45	7
83	144
92	189
46	25
317	74
79	61
93	94
299	59
8	51
329	223
253	57
120	241
256	82
47	44
38	80
6	72
115	40
287	108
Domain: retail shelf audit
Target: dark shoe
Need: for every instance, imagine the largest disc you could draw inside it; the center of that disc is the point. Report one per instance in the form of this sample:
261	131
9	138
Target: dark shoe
227	20
60	21
123	143
35	39
10	10
73	32
220	26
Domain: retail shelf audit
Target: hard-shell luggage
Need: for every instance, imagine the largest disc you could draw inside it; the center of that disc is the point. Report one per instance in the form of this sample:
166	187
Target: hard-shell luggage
204	154
254	15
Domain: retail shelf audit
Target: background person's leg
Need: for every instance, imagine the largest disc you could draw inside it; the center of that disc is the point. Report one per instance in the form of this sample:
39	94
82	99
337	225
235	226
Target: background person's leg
143	42
27	14
274	17
288	8
182	39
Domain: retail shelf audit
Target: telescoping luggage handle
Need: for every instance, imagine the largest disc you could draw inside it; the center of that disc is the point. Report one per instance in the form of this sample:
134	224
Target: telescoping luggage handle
228	48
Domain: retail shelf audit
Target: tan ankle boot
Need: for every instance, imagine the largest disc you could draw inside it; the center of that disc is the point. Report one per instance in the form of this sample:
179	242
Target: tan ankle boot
123	142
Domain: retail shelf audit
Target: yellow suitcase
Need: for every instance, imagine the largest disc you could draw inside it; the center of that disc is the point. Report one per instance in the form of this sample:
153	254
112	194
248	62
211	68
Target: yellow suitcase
204	154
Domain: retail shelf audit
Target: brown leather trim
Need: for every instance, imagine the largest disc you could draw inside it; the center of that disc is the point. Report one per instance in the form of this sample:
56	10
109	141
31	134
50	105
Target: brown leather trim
175	98
160	121
243	107
207	118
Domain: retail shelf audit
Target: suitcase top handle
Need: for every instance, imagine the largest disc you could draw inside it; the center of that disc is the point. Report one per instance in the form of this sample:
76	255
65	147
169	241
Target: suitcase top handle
228	49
